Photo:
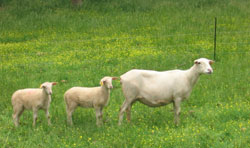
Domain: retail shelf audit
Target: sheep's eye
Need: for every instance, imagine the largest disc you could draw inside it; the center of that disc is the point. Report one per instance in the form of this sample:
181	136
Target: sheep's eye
196	62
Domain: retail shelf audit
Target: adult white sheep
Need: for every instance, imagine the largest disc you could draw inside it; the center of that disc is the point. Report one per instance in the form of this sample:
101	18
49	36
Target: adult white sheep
89	97
32	99
156	89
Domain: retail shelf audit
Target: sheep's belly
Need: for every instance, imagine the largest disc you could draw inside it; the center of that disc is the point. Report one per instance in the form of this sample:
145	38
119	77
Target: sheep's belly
155	103
85	104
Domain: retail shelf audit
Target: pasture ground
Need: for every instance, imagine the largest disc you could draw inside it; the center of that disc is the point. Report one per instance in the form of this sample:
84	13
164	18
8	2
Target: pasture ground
47	40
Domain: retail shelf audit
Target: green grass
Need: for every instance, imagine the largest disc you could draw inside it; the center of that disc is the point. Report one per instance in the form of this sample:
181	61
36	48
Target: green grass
43	40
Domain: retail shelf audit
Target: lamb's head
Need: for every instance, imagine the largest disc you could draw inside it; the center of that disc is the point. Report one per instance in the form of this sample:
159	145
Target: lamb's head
107	82
203	65
47	87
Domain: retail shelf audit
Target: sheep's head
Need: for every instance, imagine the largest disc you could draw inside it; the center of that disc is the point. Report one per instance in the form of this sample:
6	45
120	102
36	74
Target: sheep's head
107	82
47	87
204	65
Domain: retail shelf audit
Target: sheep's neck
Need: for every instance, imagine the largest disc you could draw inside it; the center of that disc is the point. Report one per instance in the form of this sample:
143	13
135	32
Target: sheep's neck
193	76
105	91
48	97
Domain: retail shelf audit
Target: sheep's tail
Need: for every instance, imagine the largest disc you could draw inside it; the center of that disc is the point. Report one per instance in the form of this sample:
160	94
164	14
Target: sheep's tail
66	100
120	80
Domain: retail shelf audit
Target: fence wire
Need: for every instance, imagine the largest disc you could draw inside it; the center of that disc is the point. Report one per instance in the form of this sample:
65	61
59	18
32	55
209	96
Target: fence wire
105	38
189	47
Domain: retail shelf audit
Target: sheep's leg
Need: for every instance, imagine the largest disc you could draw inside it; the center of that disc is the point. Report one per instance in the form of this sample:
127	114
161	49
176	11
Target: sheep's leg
70	110
34	116
101	116
129	113
177	110
122	110
48	116
16	115
16	123
98	112
69	117
20	113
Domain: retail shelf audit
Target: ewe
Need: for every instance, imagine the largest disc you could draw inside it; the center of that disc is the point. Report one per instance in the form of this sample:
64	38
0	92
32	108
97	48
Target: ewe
94	97
155	88
32	99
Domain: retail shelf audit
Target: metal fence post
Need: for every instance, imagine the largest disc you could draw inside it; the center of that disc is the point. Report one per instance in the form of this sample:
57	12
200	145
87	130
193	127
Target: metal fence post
215	25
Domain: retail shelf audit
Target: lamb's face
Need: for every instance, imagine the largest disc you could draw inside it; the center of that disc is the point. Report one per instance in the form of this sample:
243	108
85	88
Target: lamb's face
204	65
47	86
107	82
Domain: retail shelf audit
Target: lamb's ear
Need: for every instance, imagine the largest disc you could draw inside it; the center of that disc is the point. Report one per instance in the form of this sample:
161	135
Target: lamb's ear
114	78
211	62
42	86
54	83
102	82
196	62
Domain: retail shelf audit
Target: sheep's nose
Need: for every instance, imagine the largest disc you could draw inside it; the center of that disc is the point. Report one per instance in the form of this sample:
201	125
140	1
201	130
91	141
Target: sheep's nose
209	71
111	87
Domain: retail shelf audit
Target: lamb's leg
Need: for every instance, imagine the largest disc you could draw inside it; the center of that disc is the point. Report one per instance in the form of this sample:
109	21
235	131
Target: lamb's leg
34	116
18	110
70	110
48	116
129	113
20	113
98	111
124	107
101	116
177	110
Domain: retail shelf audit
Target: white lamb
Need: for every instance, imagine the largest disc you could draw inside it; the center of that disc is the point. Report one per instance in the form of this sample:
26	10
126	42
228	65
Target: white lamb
156	89
94	97
32	99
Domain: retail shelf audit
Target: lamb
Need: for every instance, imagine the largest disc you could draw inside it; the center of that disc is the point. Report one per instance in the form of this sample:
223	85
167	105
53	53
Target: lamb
94	97
32	99
156	89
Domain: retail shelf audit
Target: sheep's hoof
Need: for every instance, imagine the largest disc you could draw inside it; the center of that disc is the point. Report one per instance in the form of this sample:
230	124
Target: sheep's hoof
70	124
99	124
176	123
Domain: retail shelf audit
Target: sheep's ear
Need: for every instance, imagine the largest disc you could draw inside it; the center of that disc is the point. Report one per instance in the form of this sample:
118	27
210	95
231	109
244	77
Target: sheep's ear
196	62
54	83
114	78
42	86
211	62
102	82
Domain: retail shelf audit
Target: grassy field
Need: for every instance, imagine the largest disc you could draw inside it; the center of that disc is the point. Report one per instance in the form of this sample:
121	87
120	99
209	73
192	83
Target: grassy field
50	40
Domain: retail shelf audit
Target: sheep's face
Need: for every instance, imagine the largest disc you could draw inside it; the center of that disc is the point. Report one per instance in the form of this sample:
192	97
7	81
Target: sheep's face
107	82
47	87
204	65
